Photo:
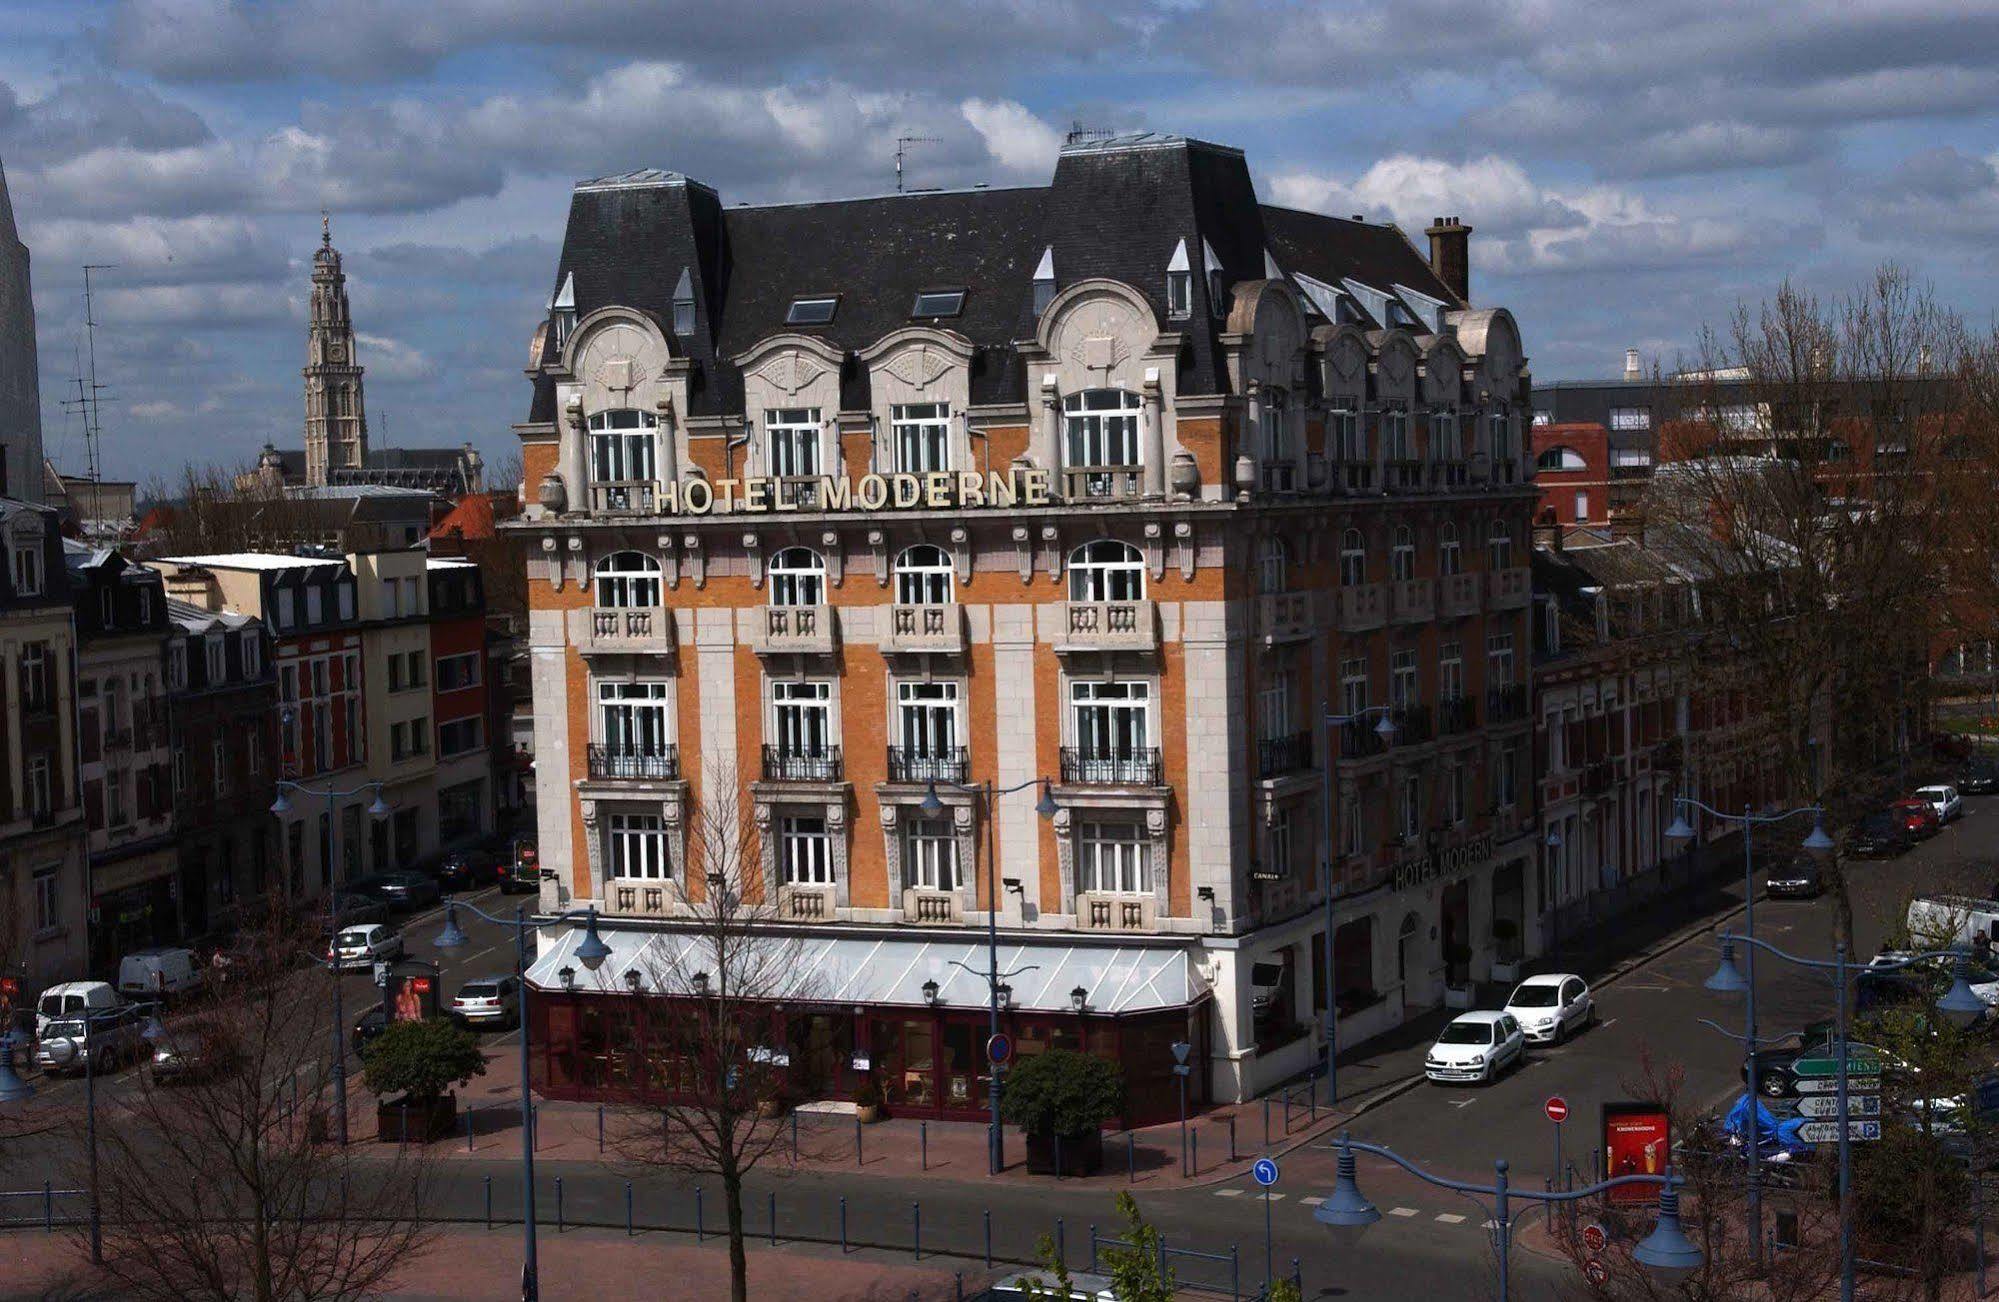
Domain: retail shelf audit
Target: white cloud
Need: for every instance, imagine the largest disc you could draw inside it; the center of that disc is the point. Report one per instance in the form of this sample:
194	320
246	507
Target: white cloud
1017	140
392	359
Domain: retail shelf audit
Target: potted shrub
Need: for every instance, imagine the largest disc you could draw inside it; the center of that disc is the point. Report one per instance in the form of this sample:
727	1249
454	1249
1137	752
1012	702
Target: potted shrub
868	1101
1506	949
417	1061
1066	1096
1457	981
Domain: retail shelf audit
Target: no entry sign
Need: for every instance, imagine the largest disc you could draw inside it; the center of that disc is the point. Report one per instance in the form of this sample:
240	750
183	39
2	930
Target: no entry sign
1557	1108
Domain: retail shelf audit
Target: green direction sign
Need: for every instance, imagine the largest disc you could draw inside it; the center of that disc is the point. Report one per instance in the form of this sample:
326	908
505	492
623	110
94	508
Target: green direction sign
1830	1067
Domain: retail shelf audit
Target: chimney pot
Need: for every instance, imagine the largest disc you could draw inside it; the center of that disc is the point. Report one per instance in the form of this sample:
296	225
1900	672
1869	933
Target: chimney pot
1450	254
1632	369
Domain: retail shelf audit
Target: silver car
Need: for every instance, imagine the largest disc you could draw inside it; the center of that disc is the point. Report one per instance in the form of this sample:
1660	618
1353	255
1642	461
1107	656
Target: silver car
489	1001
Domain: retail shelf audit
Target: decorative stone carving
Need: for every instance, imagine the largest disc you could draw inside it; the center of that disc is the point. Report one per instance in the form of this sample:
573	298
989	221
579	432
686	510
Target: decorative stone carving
1186	480
1051	549
753	552
1245	476
878	544
961	552
1155	550
918	367
1023	550
696	557
1183	542
836	561
791	372
553	494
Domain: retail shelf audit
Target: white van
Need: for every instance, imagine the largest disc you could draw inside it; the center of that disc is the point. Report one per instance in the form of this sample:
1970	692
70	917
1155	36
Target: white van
70	999
1945	921
158	973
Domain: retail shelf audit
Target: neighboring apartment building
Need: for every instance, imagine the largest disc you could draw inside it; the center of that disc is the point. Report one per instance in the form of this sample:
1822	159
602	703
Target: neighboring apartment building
44	894
308	609
222	690
394	595
1123	484
125	747
461	701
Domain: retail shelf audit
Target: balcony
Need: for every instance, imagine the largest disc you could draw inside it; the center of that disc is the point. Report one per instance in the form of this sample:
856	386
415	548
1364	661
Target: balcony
1404	476
951	764
1359	740
1506	704
1108	626
931	908
630	630
1460	596
781	765
1102	483
1137	767
625	497
802	903
1507	589
1284	617
1450	474
1115	912
1276	756
1414	601
621	764
1277	477
1362	606
936	628
1599	777
1455	715
640	899
1354	476
1412	724
793	630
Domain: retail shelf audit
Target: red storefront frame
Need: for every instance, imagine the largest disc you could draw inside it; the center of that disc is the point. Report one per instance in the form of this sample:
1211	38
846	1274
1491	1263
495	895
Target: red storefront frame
928	1062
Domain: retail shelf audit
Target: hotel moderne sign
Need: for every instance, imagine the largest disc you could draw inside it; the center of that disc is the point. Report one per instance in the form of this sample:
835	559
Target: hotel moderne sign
1441	865
937	490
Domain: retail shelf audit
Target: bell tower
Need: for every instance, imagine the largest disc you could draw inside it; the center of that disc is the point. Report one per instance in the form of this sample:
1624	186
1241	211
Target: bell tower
336	422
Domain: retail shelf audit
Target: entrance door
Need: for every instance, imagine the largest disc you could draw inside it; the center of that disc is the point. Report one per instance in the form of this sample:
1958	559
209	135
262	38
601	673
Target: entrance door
1406	959
1455	921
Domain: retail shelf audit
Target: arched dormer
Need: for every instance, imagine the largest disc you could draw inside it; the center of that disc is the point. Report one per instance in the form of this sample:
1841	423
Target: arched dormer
619	359
920	385
791	396
1101	335
1265	347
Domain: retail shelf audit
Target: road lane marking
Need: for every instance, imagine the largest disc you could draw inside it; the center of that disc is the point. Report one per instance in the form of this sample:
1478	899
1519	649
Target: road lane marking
1460	1103
1228	1193
1607	1023
1403	1211
1450	1218
1310	1200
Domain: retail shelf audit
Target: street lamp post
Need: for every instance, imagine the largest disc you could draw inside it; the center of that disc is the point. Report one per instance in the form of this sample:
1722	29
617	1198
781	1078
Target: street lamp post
1666	1250
932	807
378	809
591	953
65	1050
1385	730
1960	1003
1682	832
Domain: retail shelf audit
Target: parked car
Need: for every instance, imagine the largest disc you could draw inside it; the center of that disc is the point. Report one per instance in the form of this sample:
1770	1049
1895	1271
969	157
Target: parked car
1551	1007
1882	834
1798	879
489	1001
1977	778
1944	799
469	868
351	909
71	998
368	1028
1476	1047
522	873
397	890
159	974
103	1041
363	946
187	1048
1919	818
1936	975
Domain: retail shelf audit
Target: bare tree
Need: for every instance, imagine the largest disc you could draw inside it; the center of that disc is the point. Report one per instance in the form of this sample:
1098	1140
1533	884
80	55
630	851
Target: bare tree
219	1184
1800	483
711	1066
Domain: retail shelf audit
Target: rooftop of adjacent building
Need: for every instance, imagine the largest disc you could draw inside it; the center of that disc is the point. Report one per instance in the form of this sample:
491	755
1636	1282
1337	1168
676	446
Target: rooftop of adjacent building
251	561
194	619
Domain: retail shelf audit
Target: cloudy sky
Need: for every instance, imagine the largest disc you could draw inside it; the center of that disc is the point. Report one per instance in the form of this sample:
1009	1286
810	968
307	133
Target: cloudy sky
1632	171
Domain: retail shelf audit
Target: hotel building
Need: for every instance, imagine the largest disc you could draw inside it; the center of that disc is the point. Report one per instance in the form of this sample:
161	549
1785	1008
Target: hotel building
1110	491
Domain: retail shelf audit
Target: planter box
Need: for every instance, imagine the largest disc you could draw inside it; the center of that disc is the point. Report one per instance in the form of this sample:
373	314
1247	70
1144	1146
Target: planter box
1506	970
1082	1154
1457	997
416	1121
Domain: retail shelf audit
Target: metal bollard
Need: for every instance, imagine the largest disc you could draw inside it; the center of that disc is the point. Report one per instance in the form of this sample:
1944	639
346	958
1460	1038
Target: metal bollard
1266	1121
1058	1157
628	1209
48	1208
1235	1272
600	1129
1232	1156
859	1159
403	1139
558	1205
794	1139
1194	1145
773	1218
843	1225
468	1132
1092	1267
700	1234
923	1142
916	1231
1061	1253
1312	1105
1297	1277
489	1202
1162	1256
989	1238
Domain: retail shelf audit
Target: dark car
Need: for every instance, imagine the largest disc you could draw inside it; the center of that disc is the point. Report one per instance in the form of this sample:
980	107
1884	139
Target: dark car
469	868
1777	1072
1978	778
522	873
1799	879
1882	834
398	890
368	1028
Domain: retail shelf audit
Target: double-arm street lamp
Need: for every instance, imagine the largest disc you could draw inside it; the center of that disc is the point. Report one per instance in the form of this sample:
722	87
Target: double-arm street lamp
989	794
378	809
65	1051
1336	724
591	953
1666	1251
1680	832
1959	1003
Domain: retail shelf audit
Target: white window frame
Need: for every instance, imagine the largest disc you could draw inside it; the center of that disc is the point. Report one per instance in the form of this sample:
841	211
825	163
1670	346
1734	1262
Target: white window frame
930	854
805	850
1450	552
791	443
927	718
1111	720
1355	686
1273	564
1113	858
1349	441
219	757
1402	554
177	665
1100	431
636	848
216	653
40	785
1353	558
1499	664
924	576
252	648
634	718
28	569
797	578
802	719
624	447
1106	569
627	580
920	435
1499	546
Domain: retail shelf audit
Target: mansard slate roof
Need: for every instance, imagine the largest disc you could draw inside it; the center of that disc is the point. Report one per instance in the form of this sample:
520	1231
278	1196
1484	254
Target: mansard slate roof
1116	208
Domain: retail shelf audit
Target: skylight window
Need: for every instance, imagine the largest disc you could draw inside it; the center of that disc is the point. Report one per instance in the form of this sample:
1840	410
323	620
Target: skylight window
938	303
811	311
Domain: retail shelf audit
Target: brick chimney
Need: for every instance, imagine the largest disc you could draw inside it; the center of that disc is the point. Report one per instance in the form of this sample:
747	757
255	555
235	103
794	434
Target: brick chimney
1548	536
1627	524
194	585
1633	372
1450	254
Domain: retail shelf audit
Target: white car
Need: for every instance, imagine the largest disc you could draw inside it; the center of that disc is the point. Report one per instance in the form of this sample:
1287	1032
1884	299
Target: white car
1476	1047
363	946
1552	1007
1945	800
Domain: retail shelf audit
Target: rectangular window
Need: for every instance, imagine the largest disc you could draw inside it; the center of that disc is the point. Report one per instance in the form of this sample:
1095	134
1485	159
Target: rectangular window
938	303
804	853
811	311
922	434
460	736
1113	858
632	726
420	735
455	673
1499	546
288	683
1402	686
218	659
221	760
930	855
396	683
287	608
180	771
413	595
48	907
1446	443
636	847
791	441
1506	776
1273	707
41	789
927	726
1395	440
1499	660
1409	810
35	676
177	666
1450	671
1457	789
253	751
1278	849
1631	418
1582	507
252	647
1179	293
398	740
114	800
1348	445
346	594
803	718
1111	728
1353	686
315	604
392	597
28	570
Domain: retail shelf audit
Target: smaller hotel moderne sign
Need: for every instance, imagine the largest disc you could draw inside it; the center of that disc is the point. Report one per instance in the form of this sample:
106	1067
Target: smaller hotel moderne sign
1441	864
937	490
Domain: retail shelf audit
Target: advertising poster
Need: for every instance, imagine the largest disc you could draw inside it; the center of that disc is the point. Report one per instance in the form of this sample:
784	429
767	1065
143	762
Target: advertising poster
410	995
1637	1140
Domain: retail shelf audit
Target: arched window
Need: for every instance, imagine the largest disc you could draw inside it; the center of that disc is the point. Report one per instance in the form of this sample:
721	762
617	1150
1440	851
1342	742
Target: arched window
1561	457
1273	564
1402	556
1499	546
1100	443
1275	439
797	578
923	576
1353	558
1106	570
627	580
622	446
1450	559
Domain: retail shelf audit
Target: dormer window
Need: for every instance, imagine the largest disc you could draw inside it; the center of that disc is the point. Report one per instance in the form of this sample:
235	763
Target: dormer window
932	304
811	311
1179	283
1044	281
683	305
28	569
562	310
1212	267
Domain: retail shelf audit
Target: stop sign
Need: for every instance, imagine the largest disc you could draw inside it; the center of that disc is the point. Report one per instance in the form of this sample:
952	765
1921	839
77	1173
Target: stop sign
1557	1108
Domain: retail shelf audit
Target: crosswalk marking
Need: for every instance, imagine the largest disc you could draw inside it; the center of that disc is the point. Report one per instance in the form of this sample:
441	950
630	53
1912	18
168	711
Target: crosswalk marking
1403	1211
1450	1218
1311	1200
1228	1193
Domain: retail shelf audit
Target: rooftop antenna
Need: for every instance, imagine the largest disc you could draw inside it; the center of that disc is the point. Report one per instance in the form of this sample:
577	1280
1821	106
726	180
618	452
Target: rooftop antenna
93	425
901	147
